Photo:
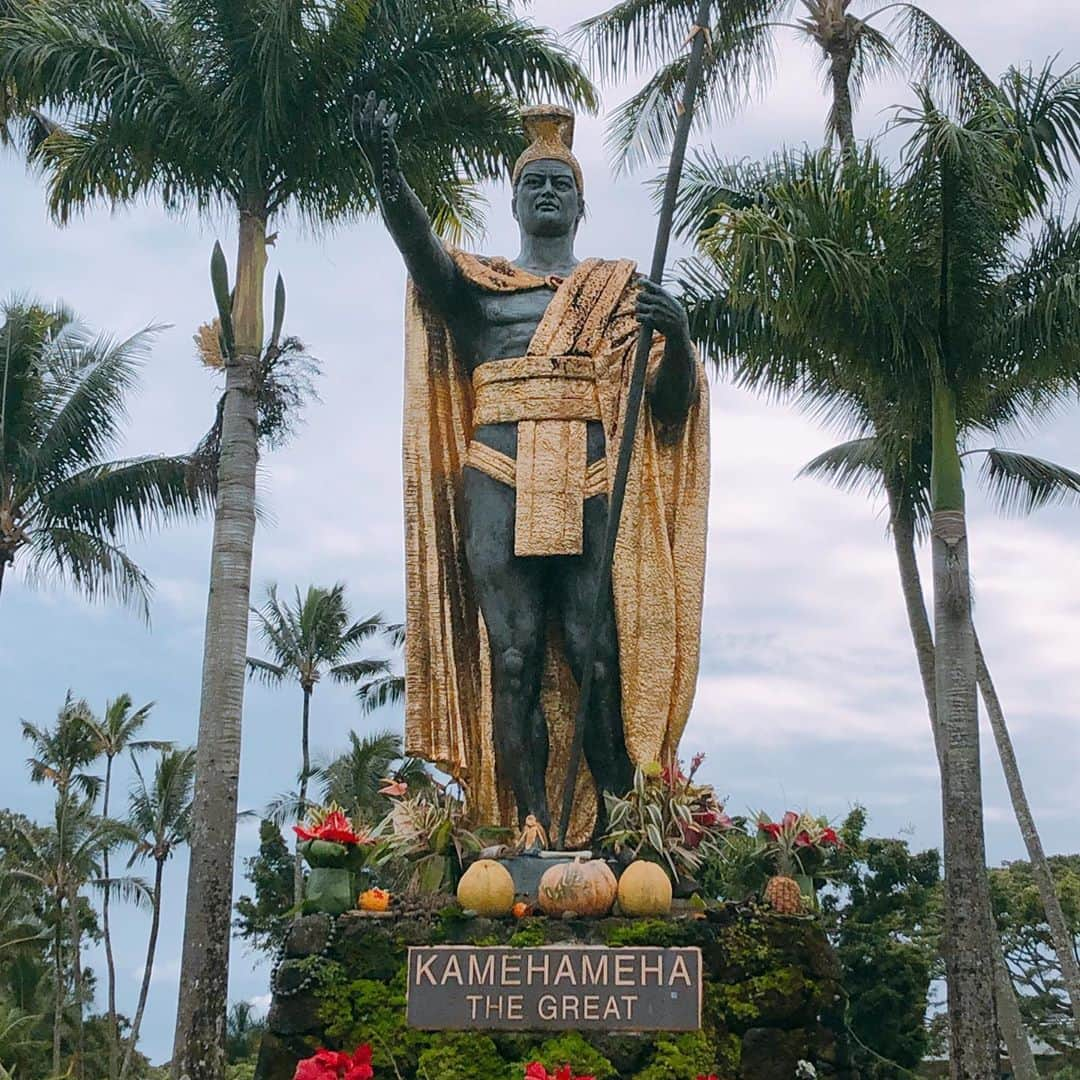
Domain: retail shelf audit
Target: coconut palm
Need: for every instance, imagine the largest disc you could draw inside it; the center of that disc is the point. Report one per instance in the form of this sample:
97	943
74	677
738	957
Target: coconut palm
66	509
1019	483
204	105
355	778
650	35
308	640
159	821
824	273
112	735
59	861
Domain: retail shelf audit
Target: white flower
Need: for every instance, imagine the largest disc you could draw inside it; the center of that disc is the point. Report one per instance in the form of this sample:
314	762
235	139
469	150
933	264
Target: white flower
805	1071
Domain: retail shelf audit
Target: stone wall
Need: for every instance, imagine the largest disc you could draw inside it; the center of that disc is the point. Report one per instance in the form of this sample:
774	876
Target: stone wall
772	999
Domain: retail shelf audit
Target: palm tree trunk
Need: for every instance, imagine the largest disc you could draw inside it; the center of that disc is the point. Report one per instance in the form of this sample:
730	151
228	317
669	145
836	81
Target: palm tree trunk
968	952
1010	1022
1040	867
110	960
77	985
305	768
58	989
903	532
198	1052
148	968
842	109
3	567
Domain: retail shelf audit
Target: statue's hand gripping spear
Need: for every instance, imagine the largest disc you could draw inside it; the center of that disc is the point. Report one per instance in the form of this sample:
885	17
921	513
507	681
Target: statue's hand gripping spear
697	38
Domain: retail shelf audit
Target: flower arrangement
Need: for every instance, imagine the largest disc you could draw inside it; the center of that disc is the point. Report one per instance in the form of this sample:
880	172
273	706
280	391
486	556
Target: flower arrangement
667	817
336	1065
425	840
336	849
797	849
536	1071
799	843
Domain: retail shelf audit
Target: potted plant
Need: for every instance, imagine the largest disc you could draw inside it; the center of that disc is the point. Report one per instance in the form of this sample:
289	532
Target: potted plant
797	849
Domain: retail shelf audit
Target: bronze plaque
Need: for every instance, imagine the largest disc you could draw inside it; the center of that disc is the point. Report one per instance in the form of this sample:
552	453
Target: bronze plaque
554	988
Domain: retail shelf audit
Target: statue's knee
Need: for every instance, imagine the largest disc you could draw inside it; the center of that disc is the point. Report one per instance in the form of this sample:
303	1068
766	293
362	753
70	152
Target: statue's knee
602	673
510	664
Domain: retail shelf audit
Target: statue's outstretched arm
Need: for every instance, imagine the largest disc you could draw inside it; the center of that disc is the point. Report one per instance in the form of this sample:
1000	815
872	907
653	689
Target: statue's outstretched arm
674	385
428	263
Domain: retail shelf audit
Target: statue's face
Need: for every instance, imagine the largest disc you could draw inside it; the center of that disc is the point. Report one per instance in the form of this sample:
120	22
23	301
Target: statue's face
546	199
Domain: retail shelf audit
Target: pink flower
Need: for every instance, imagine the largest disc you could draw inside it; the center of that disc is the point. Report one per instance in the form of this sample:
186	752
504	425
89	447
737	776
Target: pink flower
394	789
692	836
535	1071
803	839
791	819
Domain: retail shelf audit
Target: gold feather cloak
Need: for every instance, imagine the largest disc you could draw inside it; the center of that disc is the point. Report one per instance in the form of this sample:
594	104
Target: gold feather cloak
659	569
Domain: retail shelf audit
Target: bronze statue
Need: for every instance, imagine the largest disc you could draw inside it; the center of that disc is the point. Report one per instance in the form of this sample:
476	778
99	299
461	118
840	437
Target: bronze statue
515	373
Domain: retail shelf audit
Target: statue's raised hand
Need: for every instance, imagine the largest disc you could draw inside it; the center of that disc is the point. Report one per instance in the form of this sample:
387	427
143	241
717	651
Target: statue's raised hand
374	125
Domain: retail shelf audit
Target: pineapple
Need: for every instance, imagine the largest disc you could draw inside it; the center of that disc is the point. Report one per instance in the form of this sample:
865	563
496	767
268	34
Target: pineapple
783	895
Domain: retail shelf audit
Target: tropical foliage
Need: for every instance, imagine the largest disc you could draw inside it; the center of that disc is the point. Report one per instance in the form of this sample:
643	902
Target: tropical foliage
66	508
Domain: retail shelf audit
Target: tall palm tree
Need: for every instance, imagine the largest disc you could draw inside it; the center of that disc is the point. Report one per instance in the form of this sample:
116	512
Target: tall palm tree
159	821
649	35
60	861
355	778
822	273
310	639
203	104
112	735
64	505
1019	483
59	757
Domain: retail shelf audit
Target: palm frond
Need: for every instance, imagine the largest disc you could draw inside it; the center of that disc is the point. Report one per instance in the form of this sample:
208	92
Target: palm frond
268	673
939	60
389	690
359	670
1021	484
92	565
851	466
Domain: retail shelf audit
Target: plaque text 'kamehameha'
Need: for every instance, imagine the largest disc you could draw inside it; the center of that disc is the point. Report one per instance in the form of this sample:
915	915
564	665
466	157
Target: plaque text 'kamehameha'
557	987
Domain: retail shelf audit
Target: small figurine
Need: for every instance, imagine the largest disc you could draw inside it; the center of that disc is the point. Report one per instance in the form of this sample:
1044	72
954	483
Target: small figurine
533	837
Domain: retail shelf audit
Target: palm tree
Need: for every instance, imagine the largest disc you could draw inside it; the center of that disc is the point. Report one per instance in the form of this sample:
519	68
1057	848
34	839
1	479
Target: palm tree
649	35
63	504
159	821
205	105
312	638
60	861
355	778
823	274
60	754
1019	483
112	735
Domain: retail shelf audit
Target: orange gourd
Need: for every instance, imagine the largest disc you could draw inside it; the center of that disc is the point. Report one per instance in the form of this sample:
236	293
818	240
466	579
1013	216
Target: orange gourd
374	900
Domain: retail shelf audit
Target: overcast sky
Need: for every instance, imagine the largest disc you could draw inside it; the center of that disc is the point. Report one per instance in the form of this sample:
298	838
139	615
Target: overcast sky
809	695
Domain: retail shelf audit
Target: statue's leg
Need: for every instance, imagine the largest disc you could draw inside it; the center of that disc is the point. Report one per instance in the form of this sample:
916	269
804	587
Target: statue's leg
605	743
510	593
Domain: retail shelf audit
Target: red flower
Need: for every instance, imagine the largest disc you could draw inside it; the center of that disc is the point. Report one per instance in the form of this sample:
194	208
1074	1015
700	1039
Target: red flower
336	828
536	1071
771	828
711	1076
691	835
325	1065
803	839
360	1067
706	818
829	837
335	1065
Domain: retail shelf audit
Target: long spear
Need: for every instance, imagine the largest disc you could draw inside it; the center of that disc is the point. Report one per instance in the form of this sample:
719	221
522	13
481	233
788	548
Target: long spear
633	401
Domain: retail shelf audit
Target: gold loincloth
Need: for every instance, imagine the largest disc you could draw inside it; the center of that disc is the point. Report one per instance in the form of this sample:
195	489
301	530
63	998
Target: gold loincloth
551	399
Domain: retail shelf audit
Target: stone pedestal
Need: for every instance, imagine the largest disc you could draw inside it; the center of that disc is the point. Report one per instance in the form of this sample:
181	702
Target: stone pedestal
772	998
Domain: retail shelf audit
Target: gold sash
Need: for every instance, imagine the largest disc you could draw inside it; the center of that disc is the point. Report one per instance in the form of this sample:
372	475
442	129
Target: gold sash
551	399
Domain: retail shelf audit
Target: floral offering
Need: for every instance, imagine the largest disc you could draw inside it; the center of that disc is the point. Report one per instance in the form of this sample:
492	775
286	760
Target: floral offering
336	1065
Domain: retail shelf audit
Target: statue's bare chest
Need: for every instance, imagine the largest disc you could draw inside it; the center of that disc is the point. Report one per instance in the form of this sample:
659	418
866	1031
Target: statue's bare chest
506	323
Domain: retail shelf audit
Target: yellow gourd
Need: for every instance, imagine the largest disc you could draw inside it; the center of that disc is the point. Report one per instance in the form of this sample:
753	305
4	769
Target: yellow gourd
486	888
644	890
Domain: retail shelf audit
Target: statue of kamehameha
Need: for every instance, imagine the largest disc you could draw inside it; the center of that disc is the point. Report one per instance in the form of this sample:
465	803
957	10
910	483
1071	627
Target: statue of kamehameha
516	377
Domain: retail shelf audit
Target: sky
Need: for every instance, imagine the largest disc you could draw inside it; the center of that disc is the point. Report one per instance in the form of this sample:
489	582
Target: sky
809	695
